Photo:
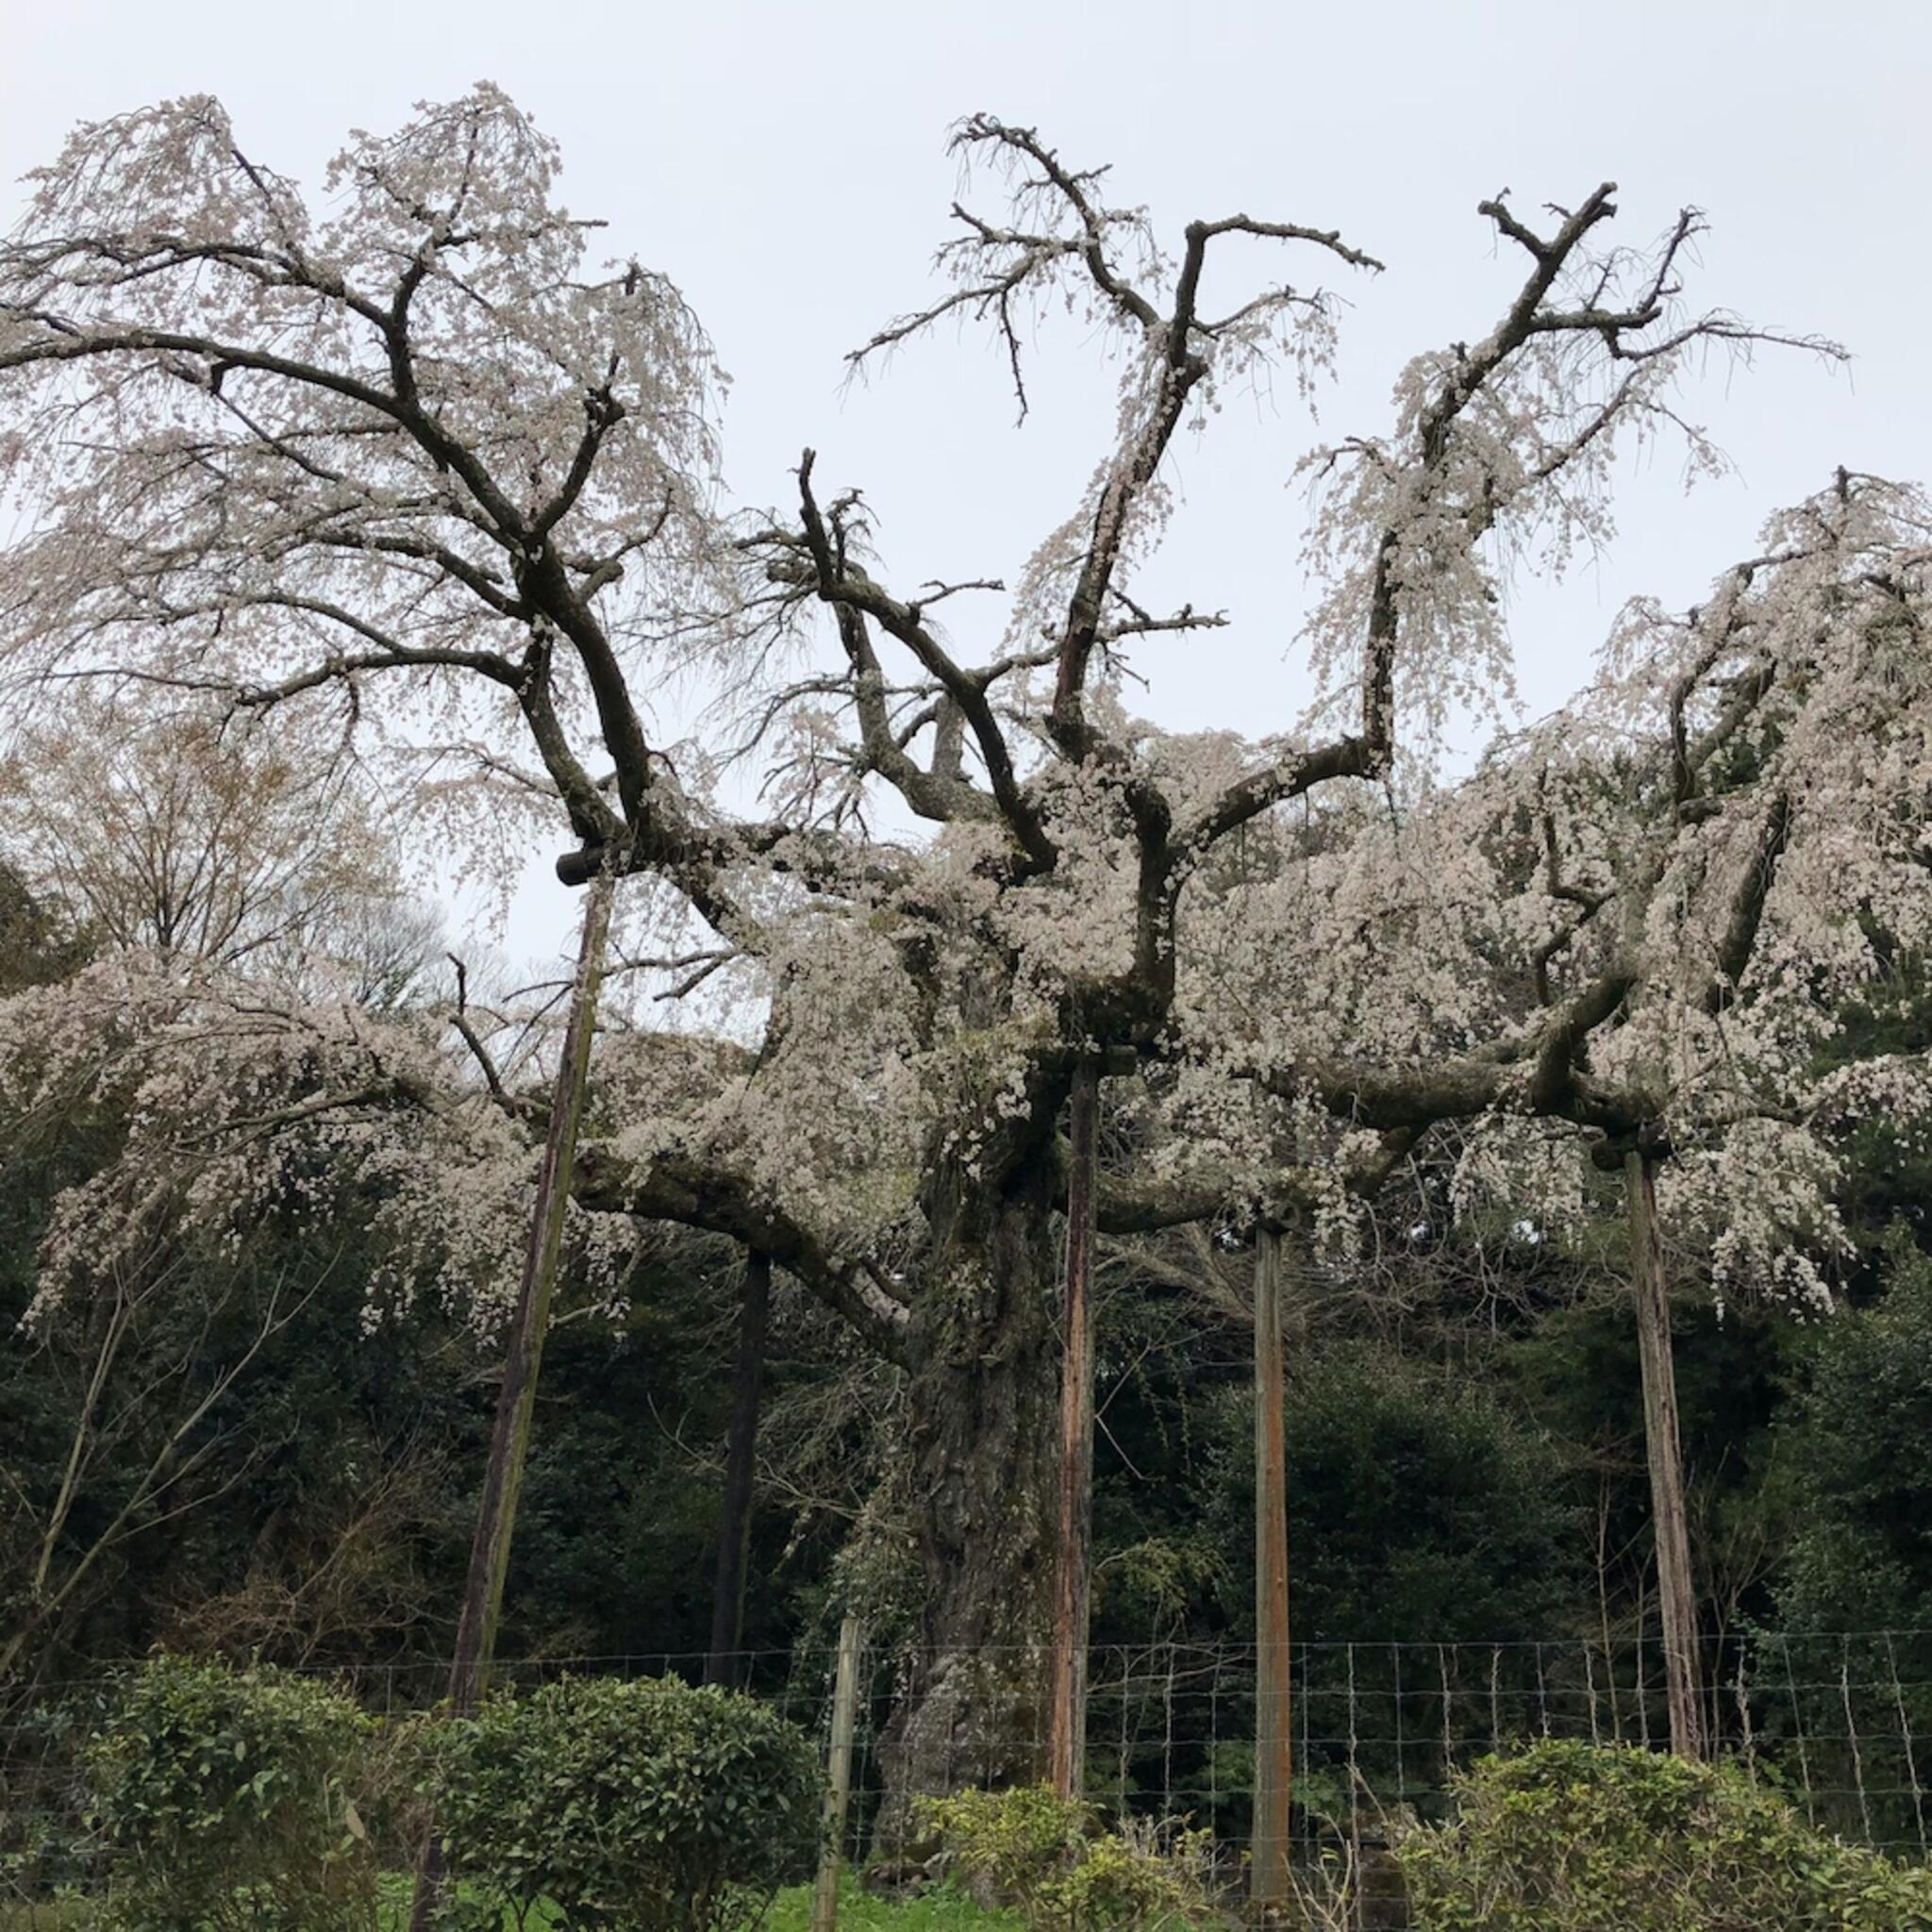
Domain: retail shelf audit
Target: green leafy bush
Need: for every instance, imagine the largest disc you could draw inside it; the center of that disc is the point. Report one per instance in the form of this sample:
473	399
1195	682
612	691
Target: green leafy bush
1580	1838
1052	1858
221	1799
641	1806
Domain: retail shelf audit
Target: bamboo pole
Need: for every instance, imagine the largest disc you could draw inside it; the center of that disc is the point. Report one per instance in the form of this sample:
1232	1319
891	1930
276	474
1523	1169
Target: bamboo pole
824	1897
509	1441
1268	1875
1074	1551
1663	1451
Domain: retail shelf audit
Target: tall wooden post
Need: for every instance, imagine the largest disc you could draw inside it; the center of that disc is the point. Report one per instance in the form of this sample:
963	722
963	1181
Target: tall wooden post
721	1663
509	1441
824	1897
1663	1450
1268	1877
1073	1557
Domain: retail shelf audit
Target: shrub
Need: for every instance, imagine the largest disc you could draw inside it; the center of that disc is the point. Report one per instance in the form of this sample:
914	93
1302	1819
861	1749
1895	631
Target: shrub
643	1807
221	1799
1051	1858
1580	1838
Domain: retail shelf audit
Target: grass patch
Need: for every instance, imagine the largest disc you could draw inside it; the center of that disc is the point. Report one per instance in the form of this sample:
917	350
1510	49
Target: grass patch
399	1892
943	1910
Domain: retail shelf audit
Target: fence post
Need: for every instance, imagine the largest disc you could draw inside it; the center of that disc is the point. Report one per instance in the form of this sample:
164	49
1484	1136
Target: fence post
1268	1881
825	1898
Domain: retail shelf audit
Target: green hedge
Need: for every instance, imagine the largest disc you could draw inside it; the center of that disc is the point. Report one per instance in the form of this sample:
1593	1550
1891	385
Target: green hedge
221	1799
1580	1838
639	1806
224	1800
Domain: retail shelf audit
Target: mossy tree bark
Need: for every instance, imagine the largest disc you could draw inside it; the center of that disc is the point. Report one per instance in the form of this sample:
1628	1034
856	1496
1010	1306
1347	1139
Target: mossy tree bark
983	1388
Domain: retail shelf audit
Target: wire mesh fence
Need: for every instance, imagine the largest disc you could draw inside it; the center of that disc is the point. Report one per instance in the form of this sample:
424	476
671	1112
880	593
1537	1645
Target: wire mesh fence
1842	1723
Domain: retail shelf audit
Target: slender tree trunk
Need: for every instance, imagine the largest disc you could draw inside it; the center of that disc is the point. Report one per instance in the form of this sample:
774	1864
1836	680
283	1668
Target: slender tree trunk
1268	1879
982	1389
45	1599
119	1320
722	1664
1073	1547
509	1440
50	1607
1676	1592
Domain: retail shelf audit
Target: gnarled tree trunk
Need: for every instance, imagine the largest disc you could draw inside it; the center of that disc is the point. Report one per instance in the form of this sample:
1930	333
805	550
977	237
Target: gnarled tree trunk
984	1391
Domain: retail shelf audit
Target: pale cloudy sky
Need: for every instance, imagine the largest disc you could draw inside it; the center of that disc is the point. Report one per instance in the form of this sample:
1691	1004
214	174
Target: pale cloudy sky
785	165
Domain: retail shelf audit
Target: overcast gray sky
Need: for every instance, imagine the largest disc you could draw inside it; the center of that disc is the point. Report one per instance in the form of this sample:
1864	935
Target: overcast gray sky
785	165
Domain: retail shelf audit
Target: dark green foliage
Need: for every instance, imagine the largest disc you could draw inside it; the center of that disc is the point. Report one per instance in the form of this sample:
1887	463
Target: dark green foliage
1856	1464
1889	1177
1847	1627
222	1799
644	1806
616	1531
1576	1838
1575	1374
254	1477
1420	1508
38	945
1421	1514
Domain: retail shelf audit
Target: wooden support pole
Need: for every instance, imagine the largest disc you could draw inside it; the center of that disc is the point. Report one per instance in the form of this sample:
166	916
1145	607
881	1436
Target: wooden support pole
1663	1450
1268	1875
509	1441
1066	1739
722	1664
824	1897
